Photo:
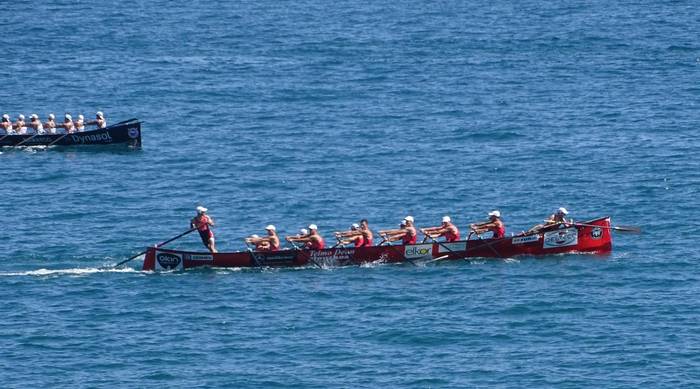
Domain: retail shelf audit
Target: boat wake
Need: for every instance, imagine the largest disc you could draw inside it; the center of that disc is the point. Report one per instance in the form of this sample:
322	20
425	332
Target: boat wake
68	272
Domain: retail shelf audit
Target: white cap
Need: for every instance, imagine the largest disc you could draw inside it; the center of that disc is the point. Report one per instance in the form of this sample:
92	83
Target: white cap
69	117
201	209
99	114
34	116
81	117
303	231
446	219
408	219
562	211
6	116
254	236
20	117
403	222
495	213
313	227
355	225
270	227
52	116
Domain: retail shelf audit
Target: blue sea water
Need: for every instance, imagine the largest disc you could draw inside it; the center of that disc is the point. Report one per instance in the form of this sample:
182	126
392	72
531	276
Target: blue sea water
327	112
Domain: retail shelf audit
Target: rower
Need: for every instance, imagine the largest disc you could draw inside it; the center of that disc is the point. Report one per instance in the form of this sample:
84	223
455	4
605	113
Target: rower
354	236
558	218
312	241
36	128
80	124
202	222
447	230
6	126
494	225
20	125
99	121
407	235
67	125
269	243
366	232
50	124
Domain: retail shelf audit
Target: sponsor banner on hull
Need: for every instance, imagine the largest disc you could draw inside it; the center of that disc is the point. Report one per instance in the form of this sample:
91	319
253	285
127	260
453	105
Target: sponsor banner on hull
168	261
200	257
454	246
560	238
418	250
332	255
526	239
275	258
597	233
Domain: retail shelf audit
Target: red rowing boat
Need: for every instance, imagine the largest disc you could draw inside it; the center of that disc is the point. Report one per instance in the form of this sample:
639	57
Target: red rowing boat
591	237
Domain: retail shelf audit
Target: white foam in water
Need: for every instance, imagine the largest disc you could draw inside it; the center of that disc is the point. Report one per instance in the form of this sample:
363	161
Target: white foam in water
70	272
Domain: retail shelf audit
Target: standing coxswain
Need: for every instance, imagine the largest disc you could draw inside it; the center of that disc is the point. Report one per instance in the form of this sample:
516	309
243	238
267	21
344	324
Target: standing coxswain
494	225
202	222
312	241
447	230
50	125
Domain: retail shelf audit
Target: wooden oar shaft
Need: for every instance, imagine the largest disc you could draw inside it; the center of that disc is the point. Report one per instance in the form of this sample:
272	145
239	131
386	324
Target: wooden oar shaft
158	245
615	228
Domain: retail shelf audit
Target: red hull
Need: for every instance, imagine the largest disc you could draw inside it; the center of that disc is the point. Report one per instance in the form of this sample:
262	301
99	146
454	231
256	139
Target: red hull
594	238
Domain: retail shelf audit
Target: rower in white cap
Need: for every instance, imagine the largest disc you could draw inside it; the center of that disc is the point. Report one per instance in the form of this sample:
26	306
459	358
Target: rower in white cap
355	236
35	126
20	125
312	241
80	124
67	125
494	225
269	243
50	125
6	125
558	218
407	234
447	230
99	121
203	223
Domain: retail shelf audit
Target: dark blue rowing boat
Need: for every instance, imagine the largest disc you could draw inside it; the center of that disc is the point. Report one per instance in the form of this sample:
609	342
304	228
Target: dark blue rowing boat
127	132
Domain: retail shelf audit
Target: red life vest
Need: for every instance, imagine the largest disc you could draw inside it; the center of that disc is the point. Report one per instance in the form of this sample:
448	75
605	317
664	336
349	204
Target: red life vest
409	239
451	236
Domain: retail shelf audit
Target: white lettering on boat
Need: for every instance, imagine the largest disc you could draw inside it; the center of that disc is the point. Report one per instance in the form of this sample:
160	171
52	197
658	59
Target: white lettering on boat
526	239
201	257
102	137
332	255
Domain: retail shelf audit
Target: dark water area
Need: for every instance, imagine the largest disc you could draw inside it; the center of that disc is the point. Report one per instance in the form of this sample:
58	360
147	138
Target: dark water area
304	112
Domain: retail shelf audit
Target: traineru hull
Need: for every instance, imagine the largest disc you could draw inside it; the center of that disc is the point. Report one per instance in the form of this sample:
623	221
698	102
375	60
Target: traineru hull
592	237
127	132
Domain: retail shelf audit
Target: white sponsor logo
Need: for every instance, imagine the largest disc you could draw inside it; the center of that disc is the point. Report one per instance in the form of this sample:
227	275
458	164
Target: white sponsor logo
597	233
334	254
561	238
418	250
168	261
455	246
526	239
103	137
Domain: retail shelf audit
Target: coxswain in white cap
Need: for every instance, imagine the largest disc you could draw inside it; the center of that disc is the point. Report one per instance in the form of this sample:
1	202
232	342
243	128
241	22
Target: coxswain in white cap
50	125
35	125
312	241
20	125
447	230
494	225
354	235
557	219
407	234
6	126
203	223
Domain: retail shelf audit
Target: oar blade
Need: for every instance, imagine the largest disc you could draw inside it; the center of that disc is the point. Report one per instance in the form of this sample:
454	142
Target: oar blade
628	229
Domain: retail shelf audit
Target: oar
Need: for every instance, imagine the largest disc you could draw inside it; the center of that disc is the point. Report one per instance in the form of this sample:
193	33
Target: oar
307	256
252	255
630	229
59	138
3	138
436	241
26	140
158	245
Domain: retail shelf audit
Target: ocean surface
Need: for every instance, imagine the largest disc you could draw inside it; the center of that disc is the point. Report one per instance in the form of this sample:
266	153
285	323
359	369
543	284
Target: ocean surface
299	112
